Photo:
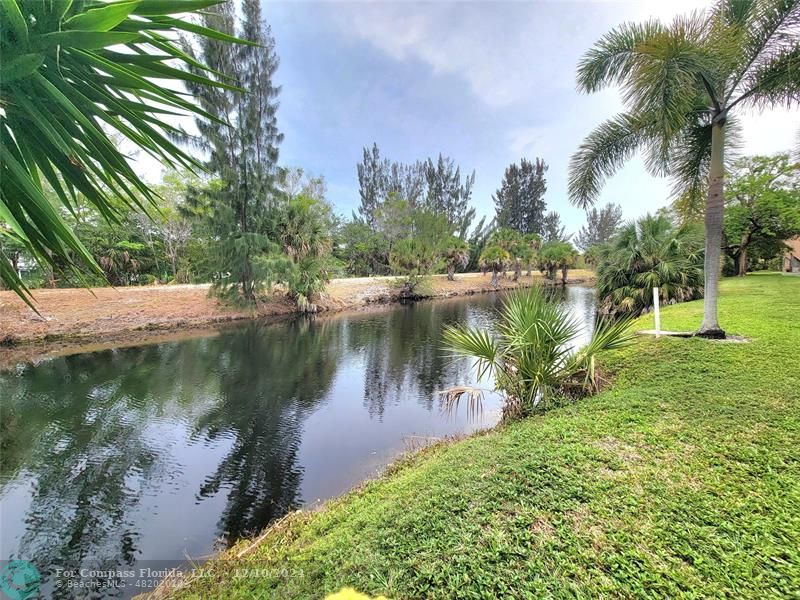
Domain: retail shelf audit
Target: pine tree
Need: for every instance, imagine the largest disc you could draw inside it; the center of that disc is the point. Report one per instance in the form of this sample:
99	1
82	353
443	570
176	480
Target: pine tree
447	195
552	230
372	184
519	202
242	145
601	225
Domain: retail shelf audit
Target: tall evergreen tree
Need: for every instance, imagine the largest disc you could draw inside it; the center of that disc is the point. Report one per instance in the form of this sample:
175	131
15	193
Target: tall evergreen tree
601	225
371	184
519	202
434	186
447	195
242	145
552	229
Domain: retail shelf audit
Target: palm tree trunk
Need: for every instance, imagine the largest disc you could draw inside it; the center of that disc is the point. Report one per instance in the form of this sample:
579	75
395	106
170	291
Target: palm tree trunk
715	208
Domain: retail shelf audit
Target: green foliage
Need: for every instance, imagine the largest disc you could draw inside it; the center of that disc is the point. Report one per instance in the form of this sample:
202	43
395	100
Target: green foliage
519	202
241	142
555	255
68	72
762	210
601	225
456	255
494	258
532	358
363	250
648	253
427	185
660	486
302	226
420	254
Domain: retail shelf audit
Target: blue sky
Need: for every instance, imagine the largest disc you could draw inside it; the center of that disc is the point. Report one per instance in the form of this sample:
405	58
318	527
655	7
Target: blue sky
483	82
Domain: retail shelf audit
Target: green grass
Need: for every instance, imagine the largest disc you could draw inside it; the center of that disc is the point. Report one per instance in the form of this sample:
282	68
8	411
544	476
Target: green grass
681	480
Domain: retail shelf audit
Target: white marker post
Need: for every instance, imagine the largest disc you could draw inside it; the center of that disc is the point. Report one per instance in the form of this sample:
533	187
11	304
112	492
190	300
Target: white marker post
656	311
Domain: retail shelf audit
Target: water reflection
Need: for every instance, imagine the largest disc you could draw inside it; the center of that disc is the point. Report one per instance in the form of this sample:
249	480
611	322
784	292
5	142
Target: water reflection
116	458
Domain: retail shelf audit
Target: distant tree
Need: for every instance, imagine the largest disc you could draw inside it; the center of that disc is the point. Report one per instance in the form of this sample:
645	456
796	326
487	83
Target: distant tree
446	194
371	184
477	240
512	242
302	226
435	186
456	255
519	202
553	229
601	225
242	147
496	259
420	254
555	255
363	250
762	208
534	243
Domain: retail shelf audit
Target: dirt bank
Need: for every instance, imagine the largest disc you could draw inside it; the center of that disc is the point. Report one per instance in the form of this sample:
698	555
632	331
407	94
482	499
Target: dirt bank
82	320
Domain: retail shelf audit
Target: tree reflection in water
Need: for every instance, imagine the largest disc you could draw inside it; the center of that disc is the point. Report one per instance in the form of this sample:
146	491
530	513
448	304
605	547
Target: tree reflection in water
120	456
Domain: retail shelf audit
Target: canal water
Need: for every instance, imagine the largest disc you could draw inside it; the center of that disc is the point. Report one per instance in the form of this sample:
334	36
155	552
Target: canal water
154	455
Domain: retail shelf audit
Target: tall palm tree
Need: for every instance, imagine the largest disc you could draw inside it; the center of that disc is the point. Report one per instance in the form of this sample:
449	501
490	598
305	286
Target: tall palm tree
682	85
73	75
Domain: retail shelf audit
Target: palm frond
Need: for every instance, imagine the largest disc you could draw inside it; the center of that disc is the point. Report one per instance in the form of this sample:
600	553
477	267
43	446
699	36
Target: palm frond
64	93
610	60
602	153
765	29
473	343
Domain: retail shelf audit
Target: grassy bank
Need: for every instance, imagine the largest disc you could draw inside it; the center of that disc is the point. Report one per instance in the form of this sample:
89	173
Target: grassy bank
683	479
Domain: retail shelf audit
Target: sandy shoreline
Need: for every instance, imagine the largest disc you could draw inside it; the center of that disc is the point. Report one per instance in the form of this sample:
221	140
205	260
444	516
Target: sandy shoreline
81	320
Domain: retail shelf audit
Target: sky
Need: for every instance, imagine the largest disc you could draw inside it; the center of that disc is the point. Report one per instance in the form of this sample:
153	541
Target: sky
485	83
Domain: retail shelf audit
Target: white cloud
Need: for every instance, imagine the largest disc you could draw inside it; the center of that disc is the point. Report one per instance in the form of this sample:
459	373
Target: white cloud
519	59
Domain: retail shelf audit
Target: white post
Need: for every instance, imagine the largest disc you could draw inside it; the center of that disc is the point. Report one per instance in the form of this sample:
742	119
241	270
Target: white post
656	311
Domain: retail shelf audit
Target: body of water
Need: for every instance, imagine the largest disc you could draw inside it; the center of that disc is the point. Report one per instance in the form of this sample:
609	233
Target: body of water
152	455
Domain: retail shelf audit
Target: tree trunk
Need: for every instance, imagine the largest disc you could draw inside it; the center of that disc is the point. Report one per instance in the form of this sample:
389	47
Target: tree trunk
517	271
451	272
741	267
495	283
715	208
563	275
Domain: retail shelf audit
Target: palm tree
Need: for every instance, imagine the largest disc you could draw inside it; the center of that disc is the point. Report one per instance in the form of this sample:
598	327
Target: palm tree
494	258
532	357
74	74
555	255
533	242
646	254
683	83
456	256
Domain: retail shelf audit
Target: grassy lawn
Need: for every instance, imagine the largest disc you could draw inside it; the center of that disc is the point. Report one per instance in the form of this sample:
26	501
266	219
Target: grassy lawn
683	479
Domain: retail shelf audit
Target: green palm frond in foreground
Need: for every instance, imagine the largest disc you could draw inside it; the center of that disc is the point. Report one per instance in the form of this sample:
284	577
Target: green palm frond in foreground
532	356
73	73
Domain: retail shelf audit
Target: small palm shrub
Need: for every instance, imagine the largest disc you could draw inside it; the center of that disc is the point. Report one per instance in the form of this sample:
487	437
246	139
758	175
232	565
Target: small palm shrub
648	253
531	355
